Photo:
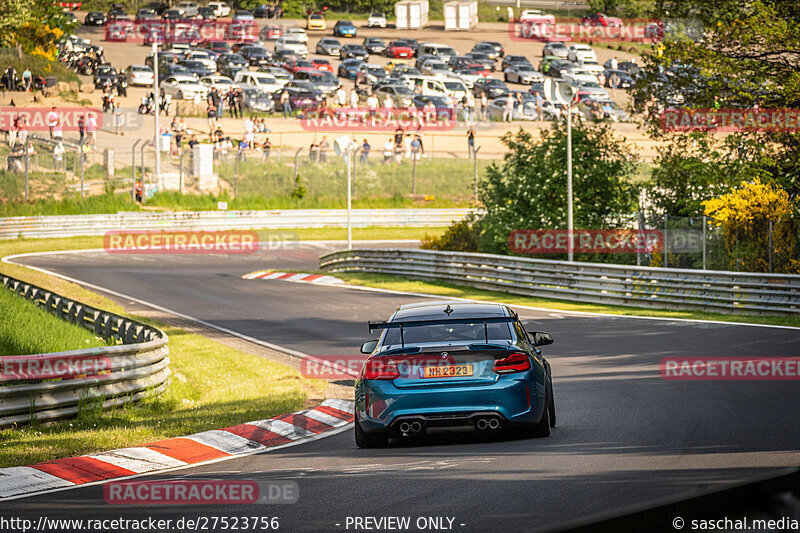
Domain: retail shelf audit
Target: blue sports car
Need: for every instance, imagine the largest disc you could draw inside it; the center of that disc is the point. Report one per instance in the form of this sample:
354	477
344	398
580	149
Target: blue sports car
452	365
344	28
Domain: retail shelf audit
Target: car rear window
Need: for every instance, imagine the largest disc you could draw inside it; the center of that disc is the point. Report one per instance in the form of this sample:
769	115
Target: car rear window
449	333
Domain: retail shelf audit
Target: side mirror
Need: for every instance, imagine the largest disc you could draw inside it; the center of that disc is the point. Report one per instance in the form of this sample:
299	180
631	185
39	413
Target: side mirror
369	346
539	338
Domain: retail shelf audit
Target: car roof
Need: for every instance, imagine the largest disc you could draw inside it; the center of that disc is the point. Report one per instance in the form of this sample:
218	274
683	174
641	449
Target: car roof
428	310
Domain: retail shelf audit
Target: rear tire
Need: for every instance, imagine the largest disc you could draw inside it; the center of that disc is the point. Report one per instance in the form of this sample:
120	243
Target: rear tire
370	440
542	428
552	405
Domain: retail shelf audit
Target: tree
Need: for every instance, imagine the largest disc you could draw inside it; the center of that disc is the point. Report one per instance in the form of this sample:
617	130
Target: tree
529	189
747	54
623	8
33	25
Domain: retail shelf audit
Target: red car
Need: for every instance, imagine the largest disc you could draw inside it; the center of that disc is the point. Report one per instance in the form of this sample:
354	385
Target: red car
270	32
322	64
293	65
598	19
399	49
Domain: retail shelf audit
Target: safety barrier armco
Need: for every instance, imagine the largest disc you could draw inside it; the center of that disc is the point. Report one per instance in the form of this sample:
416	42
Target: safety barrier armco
633	286
81	225
135	369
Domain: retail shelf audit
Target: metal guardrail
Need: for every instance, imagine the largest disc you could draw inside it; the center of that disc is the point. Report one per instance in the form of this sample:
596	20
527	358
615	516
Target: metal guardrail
82	225
138	368
632	286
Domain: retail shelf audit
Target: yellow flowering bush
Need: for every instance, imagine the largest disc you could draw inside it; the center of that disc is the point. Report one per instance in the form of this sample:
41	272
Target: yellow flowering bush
745	214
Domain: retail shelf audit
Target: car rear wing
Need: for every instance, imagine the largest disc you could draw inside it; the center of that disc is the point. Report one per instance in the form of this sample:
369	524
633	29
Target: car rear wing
442	322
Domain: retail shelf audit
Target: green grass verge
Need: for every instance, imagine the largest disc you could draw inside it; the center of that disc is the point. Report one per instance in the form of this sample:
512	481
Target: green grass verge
28	329
458	291
213	385
38	65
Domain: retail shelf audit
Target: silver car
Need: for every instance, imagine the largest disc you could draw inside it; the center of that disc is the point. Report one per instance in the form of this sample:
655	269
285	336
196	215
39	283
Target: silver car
522	73
329	47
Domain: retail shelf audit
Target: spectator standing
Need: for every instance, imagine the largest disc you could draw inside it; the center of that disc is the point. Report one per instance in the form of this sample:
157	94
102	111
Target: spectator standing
22	128
52	119
539	102
240	102
12	132
484	106
388	151
613	80
287	105
341	97
313	152
232	104
520	105
266	147
26	79
353	99
118	121
323	150
82	128
372	107
471	142
58	155
416	148
249	135
614	63
365	147
211	113
508	109
57	131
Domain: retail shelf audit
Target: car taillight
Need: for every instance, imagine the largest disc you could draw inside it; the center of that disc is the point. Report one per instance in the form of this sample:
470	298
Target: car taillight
380	369
515	362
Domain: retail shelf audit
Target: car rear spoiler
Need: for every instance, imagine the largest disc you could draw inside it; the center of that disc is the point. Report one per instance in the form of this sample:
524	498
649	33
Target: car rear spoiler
442	322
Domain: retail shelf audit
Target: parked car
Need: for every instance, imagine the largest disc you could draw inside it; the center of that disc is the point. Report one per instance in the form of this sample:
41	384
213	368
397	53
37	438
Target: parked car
325	82
626	81
222	83
399	48
243	15
471	73
354	50
479	58
289	44
374	45
599	19
184	87
260	80
348	68
329	46
145	13
434	67
297	34
344	28
322	64
492	87
627	66
230	64
556	50
376	19
174	70
372	72
609	110
198	68
105	74
141	75
254	99
498	47
207	13
445	110
579	52
279	73
316	21
270	32
296	65
513	60
255	55
522	73
187	9
221	9
578	75
94	18
302	95
400	94
486	48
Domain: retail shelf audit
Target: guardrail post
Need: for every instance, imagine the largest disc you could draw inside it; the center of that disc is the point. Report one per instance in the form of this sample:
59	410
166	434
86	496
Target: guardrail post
133	169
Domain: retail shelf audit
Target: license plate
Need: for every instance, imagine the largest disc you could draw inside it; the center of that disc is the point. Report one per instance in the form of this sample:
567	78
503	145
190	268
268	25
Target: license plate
453	371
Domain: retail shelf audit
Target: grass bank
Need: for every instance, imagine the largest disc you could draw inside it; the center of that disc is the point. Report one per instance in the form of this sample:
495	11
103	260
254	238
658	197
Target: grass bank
212	386
28	329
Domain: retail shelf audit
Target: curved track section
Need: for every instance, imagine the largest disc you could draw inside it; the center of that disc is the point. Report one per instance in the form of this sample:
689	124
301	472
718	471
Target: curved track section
625	436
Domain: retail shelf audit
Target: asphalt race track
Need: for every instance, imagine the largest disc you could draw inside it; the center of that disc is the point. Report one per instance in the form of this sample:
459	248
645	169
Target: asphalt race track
625	436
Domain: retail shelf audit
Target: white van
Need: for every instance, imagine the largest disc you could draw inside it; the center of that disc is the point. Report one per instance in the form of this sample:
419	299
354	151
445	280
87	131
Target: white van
426	85
260	80
221	9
